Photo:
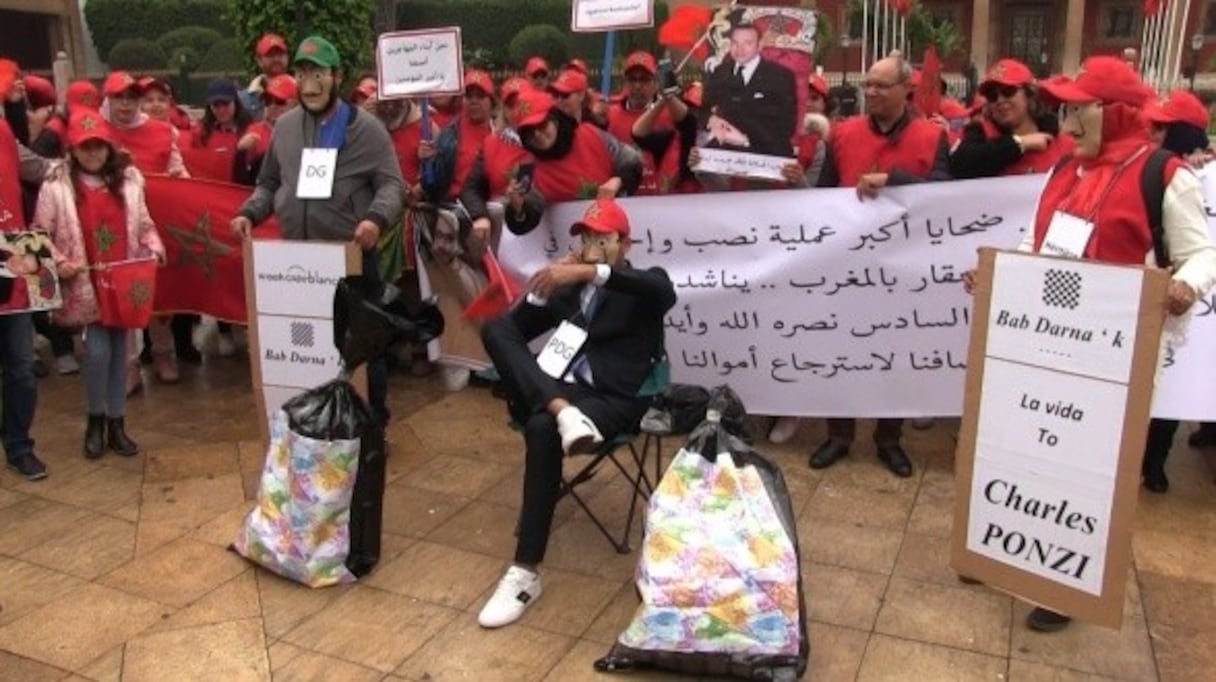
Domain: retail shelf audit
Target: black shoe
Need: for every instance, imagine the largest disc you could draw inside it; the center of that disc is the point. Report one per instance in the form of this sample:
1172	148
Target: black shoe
896	460
1045	620
95	436
189	355
29	466
145	356
828	454
1205	437
118	440
41	369
1155	481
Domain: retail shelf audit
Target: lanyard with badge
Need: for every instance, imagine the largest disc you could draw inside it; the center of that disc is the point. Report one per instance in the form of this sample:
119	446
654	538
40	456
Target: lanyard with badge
319	164
562	349
1069	235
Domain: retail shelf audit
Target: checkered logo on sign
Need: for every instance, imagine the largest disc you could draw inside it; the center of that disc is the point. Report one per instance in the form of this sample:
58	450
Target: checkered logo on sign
1062	289
302	335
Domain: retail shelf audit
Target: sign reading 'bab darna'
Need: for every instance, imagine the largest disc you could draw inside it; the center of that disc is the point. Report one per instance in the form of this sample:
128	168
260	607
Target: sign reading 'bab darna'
1059	383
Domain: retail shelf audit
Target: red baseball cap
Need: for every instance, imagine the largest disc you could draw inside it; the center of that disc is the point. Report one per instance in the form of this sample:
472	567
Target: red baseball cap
604	216
283	87
1180	106
147	83
569	82
82	93
576	64
476	78
87	124
271	42
513	86
642	60
119	82
364	91
1101	79
532	108
40	92
536	65
1008	72
818	84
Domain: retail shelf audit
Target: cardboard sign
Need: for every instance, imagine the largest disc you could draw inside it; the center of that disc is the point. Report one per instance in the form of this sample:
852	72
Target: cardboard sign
590	16
420	63
1059	384
28	280
741	164
289	292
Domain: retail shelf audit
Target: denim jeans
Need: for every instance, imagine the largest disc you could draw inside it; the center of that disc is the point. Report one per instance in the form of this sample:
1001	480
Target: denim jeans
20	386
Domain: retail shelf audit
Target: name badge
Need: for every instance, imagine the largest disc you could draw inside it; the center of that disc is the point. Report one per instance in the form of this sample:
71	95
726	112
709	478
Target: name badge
561	349
1067	235
317	167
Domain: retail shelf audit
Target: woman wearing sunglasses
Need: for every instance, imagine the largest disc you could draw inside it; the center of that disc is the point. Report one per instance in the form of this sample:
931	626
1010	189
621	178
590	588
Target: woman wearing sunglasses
1015	135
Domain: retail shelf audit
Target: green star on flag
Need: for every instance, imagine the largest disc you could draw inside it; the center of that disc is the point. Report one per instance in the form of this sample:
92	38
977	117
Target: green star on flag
105	239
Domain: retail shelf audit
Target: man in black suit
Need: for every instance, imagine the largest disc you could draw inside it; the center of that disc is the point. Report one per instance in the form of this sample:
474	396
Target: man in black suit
753	103
583	388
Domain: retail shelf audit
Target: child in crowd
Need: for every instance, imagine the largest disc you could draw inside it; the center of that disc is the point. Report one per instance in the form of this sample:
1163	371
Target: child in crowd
92	203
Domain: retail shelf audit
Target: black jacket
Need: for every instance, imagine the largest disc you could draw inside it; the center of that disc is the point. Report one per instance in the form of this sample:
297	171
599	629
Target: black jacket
624	336
977	156
765	109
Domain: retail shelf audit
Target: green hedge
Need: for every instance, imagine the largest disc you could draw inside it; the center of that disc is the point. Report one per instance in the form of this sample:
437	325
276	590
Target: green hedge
540	40
345	23
113	20
137	54
225	56
490	25
197	38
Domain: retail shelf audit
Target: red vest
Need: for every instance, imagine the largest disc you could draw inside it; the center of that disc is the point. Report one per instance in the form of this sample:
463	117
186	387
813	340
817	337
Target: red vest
580	173
150	145
1034	161
264	131
858	150
405	143
469	143
103	224
213	161
657	178
12	215
807	144
500	163
1121	230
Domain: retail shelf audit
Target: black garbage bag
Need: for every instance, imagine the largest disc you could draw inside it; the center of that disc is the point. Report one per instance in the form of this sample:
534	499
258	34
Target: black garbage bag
370	316
719	572
683	406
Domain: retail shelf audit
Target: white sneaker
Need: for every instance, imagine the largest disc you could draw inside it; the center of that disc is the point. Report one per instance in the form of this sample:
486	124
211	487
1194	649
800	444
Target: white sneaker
783	430
514	594
225	346
454	378
579	434
66	364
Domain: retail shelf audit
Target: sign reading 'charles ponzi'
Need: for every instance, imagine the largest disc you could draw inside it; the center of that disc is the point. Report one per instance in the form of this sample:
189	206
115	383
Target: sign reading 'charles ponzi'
1057	404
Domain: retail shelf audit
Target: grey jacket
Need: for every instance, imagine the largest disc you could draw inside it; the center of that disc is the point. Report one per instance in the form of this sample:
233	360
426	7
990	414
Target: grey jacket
367	184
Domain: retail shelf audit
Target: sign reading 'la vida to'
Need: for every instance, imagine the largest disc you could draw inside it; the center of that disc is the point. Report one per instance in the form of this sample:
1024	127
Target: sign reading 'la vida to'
1058	390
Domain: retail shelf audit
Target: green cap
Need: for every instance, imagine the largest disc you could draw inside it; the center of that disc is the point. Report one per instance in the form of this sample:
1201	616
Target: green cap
319	51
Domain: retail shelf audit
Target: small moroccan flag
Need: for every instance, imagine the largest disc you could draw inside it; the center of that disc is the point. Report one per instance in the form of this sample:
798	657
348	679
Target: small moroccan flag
125	290
500	293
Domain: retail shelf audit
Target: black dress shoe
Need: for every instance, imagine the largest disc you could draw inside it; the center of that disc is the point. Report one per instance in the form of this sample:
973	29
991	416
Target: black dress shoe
1046	620
828	454
1205	437
1156	482
896	460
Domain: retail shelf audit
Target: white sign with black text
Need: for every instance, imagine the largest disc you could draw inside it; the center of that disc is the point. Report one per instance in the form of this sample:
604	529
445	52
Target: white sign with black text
590	16
420	63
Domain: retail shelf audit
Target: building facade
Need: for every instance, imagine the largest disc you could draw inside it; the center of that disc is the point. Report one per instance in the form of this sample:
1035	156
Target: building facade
32	32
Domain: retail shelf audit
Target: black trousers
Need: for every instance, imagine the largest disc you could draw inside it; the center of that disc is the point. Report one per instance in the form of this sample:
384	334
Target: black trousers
887	432
529	391
60	338
1157	444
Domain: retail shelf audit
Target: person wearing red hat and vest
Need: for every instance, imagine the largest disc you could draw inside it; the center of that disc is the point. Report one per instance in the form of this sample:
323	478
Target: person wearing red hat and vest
537	72
502	174
403	120
1015	135
570	89
1093	207
271	56
92	203
887	146
158	102
617	311
658	138
573	160
278	98
18	383
812	140
51	143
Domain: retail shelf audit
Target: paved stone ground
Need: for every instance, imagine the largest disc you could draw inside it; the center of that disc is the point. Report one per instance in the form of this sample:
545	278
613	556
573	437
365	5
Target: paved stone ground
116	569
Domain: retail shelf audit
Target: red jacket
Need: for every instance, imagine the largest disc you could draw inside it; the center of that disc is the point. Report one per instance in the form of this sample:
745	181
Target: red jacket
857	149
578	174
12	215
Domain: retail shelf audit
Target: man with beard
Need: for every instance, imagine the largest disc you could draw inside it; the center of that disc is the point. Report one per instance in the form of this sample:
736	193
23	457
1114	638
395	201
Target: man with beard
271	56
365	195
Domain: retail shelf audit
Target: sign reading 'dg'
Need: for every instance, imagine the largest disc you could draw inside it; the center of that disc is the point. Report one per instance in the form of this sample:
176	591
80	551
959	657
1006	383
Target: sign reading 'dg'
1059	382
297	278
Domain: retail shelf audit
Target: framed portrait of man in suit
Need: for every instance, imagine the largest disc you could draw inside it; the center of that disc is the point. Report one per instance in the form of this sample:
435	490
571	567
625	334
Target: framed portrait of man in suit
752	103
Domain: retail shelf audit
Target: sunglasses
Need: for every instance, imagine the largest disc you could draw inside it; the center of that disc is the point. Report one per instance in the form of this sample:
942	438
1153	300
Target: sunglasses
994	92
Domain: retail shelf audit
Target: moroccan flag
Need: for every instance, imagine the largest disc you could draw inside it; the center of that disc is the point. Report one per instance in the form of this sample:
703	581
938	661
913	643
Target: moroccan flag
686	30
205	272
1152	7
500	293
125	292
928	95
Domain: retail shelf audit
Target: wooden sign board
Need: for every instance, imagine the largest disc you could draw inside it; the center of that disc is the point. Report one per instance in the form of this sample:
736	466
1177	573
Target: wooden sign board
420	63
592	16
1059	384
289	292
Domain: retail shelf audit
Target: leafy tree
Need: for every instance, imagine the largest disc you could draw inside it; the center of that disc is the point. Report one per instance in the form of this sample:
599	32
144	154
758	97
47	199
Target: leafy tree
345	23
136	54
541	40
197	38
113	20
223	57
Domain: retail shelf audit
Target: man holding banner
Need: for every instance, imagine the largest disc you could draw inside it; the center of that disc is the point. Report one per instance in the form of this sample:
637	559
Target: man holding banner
330	175
1095	205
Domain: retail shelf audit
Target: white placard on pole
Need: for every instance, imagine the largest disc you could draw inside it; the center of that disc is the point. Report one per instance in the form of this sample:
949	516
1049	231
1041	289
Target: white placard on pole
593	16
420	63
